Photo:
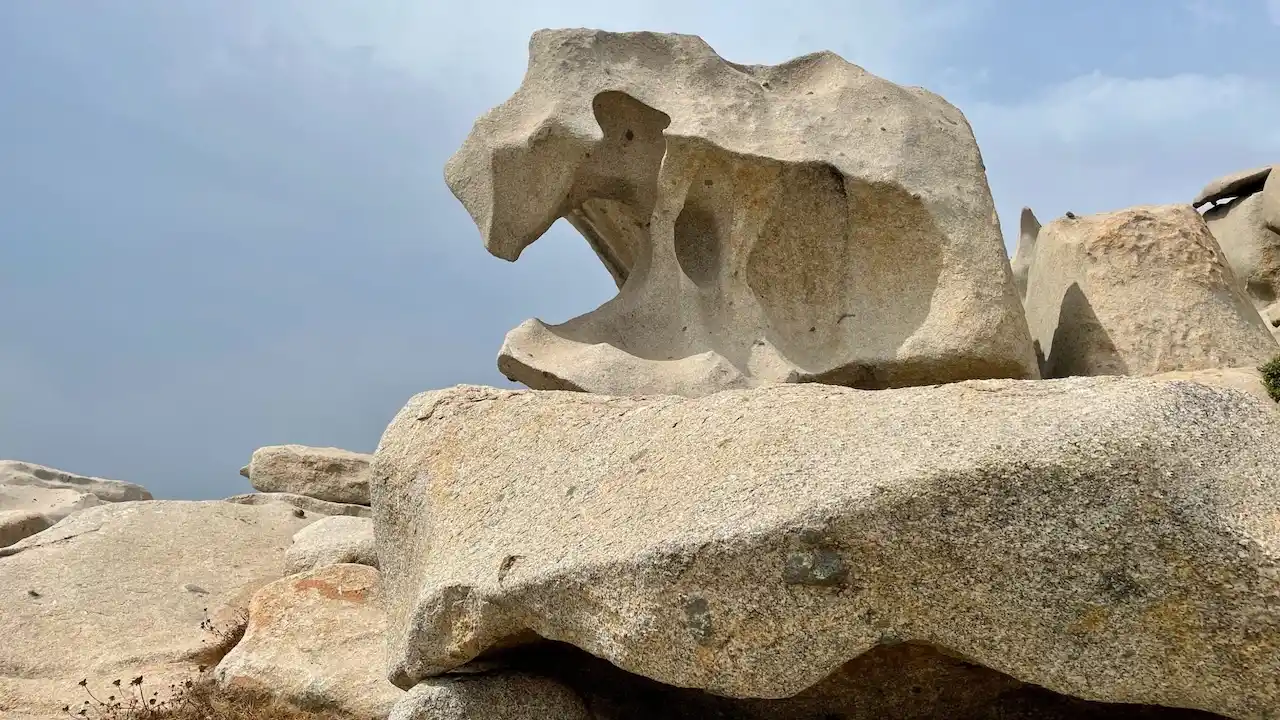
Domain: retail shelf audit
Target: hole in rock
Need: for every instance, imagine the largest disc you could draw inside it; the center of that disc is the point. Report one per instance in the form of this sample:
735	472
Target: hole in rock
890	682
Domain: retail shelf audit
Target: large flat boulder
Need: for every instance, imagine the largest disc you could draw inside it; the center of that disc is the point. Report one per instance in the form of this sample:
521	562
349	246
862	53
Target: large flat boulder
1139	291
324	473
34	497
786	223
122	590
1111	539
16	472
315	640
332	541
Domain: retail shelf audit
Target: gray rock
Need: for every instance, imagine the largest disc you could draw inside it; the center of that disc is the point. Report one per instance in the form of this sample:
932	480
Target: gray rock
1139	291
1245	182
807	221
316	640
1111	539
330	541
301	502
329	474
1028	232
16	472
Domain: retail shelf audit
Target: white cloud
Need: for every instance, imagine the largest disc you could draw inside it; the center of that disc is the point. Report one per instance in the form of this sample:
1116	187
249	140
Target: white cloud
1099	142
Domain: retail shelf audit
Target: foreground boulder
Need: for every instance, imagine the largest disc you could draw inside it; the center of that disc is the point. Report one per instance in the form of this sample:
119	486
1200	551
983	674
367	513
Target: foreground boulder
329	474
1112	539
316	640
788	223
1137	292
35	497
1245	220
331	541
121	590
891	682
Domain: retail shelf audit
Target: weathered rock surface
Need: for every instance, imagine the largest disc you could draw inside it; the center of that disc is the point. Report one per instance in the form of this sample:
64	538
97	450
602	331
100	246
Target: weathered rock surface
16	472
301	502
895	682
18	524
1245	379
324	473
805	221
1137	292
1112	539
1248	230
316	640
1028	232
19	502
331	541
120	590
35	497
515	696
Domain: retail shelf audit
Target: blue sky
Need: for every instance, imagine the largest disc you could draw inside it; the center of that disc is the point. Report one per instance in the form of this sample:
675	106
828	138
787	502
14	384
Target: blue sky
223	223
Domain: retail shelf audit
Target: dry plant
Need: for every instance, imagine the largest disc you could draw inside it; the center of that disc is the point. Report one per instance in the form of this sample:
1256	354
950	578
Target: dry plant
201	698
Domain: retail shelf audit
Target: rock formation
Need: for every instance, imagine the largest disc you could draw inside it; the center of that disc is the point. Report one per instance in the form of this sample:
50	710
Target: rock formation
35	497
331	541
1137	292
316	639
121	590
301	502
329	474
1245	219
1112	539
801	222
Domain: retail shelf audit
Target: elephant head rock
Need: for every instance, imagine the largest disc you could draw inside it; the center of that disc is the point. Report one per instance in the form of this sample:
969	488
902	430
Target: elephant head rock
800	222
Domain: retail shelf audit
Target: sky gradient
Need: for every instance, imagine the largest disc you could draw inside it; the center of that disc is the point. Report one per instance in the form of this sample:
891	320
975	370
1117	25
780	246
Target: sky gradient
224	224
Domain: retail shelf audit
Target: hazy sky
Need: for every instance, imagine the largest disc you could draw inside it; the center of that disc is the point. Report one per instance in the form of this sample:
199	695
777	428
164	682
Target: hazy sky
223	223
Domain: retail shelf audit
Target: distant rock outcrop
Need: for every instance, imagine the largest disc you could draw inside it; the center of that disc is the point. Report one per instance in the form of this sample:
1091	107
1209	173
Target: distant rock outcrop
34	497
800	222
1137	292
324	473
1245	219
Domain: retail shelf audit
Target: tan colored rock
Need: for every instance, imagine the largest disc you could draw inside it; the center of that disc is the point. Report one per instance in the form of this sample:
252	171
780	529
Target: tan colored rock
1138	292
16	472
1111	539
301	502
1248	230
329	474
801	222
1246	379
19	502
28	490
332	541
316	640
121	590
18	524
1245	182
491	697
1028	232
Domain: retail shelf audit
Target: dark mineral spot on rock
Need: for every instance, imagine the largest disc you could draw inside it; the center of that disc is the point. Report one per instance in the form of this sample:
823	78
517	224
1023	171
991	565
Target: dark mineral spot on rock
821	567
630	136
698	615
